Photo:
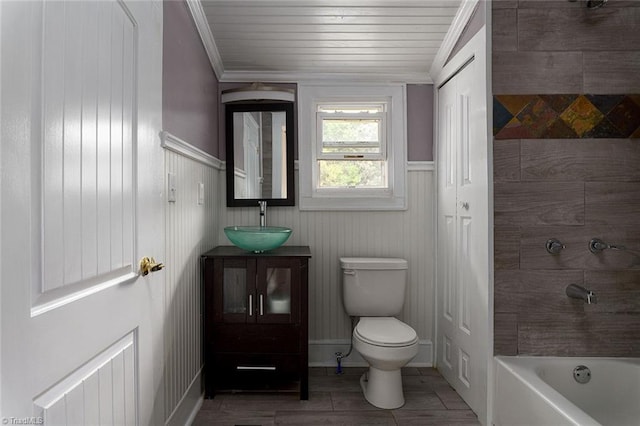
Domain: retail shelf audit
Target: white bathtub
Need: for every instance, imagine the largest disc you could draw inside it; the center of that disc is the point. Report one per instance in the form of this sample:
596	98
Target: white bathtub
542	391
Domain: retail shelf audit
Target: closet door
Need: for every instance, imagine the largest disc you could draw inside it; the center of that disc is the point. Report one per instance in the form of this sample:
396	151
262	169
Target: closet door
463	234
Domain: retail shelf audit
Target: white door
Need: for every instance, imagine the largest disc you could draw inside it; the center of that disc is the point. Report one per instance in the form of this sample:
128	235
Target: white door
463	321
81	197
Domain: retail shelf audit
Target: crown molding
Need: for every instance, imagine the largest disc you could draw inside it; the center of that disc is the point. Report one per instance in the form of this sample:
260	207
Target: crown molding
311	77
464	14
200	19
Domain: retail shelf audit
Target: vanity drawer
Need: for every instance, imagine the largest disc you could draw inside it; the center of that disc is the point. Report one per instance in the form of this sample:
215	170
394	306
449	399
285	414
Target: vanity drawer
234	371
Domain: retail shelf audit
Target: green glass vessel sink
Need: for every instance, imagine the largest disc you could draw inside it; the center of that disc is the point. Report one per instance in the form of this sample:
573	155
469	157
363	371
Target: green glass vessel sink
257	239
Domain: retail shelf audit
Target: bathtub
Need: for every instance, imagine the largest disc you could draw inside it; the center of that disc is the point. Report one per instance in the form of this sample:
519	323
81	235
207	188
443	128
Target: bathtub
542	391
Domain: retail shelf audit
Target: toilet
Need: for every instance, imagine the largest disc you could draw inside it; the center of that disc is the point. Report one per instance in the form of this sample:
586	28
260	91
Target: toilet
374	289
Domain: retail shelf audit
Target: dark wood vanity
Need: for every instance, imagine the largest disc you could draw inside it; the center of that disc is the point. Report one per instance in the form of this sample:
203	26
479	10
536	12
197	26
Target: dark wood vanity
256	319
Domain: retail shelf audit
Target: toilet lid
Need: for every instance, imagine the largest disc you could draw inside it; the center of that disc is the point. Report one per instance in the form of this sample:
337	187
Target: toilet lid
385	331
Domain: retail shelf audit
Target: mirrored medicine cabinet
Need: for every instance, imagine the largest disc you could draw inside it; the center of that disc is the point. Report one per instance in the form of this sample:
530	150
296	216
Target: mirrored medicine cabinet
259	144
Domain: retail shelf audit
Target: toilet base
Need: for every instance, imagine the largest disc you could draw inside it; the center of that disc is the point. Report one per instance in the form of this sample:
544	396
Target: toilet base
382	388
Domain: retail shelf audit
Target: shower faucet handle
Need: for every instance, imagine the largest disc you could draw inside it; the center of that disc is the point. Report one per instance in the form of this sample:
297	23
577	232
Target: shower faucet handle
554	246
596	245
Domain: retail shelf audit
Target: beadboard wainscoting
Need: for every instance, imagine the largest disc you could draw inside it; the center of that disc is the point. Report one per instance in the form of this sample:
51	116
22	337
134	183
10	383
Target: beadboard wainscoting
191	226
408	234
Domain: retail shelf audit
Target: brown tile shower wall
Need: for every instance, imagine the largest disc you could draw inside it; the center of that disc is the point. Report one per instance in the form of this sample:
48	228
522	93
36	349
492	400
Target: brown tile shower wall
570	189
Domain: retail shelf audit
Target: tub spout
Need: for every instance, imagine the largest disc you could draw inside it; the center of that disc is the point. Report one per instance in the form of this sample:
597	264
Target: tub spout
577	292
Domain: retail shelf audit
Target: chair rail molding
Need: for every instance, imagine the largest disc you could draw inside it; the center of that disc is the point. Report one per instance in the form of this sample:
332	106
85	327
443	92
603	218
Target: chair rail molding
175	144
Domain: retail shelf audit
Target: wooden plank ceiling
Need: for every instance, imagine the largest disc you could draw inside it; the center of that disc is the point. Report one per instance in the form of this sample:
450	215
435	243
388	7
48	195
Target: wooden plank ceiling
329	37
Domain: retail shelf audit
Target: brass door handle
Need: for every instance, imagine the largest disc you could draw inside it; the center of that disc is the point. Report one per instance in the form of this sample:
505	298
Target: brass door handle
149	264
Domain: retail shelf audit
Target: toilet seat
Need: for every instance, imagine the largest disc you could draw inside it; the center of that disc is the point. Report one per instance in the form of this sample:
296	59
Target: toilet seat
385	332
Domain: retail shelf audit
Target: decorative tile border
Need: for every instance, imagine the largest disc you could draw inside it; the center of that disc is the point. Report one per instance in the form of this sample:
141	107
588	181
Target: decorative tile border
568	116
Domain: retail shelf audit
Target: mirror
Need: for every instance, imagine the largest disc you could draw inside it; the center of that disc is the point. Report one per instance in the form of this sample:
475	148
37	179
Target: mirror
259	138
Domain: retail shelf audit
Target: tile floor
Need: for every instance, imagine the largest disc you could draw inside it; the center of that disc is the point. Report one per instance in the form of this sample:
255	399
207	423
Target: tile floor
337	400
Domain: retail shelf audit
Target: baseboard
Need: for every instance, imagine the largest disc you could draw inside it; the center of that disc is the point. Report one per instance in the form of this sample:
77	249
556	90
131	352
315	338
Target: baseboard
322	353
189	405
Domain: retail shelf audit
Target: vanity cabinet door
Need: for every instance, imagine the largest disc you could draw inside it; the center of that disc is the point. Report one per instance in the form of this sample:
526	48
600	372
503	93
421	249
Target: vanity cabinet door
278	290
234	298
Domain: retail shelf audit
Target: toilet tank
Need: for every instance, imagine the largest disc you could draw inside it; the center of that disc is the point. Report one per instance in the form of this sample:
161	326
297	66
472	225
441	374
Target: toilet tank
373	287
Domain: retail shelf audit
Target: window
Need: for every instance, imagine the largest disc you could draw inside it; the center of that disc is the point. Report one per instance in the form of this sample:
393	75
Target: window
352	147
351	152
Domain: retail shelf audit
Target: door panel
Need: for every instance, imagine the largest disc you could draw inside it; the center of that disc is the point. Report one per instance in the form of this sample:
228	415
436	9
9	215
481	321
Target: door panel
82	169
466	277
88	218
447	272
106	385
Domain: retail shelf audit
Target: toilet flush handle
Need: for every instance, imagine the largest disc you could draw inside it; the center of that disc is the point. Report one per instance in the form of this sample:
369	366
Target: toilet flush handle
349	272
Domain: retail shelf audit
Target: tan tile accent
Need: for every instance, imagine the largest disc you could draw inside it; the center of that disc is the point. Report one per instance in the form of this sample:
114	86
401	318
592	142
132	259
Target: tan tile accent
610	72
523	292
537	72
556	29
617	291
504	4
505	35
572	159
506	160
614	203
579	334
532	203
505	334
507	247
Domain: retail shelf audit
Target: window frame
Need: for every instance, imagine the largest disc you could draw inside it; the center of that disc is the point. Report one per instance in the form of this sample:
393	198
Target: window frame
382	131
393	98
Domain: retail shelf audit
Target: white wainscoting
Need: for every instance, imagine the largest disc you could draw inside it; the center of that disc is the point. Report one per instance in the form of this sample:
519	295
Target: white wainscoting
407	234
103	391
190	231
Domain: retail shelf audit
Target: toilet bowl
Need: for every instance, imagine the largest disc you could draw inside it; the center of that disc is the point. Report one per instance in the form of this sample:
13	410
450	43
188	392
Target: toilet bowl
387	345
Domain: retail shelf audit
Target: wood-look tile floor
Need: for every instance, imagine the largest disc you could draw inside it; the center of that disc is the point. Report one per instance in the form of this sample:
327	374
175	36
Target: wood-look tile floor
338	400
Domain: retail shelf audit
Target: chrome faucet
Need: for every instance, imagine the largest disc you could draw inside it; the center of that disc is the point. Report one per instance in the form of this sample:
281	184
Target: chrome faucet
577	292
263	213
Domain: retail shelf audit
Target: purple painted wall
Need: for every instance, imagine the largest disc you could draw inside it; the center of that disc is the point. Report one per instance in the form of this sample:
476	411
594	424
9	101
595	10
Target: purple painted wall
420	122
190	98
